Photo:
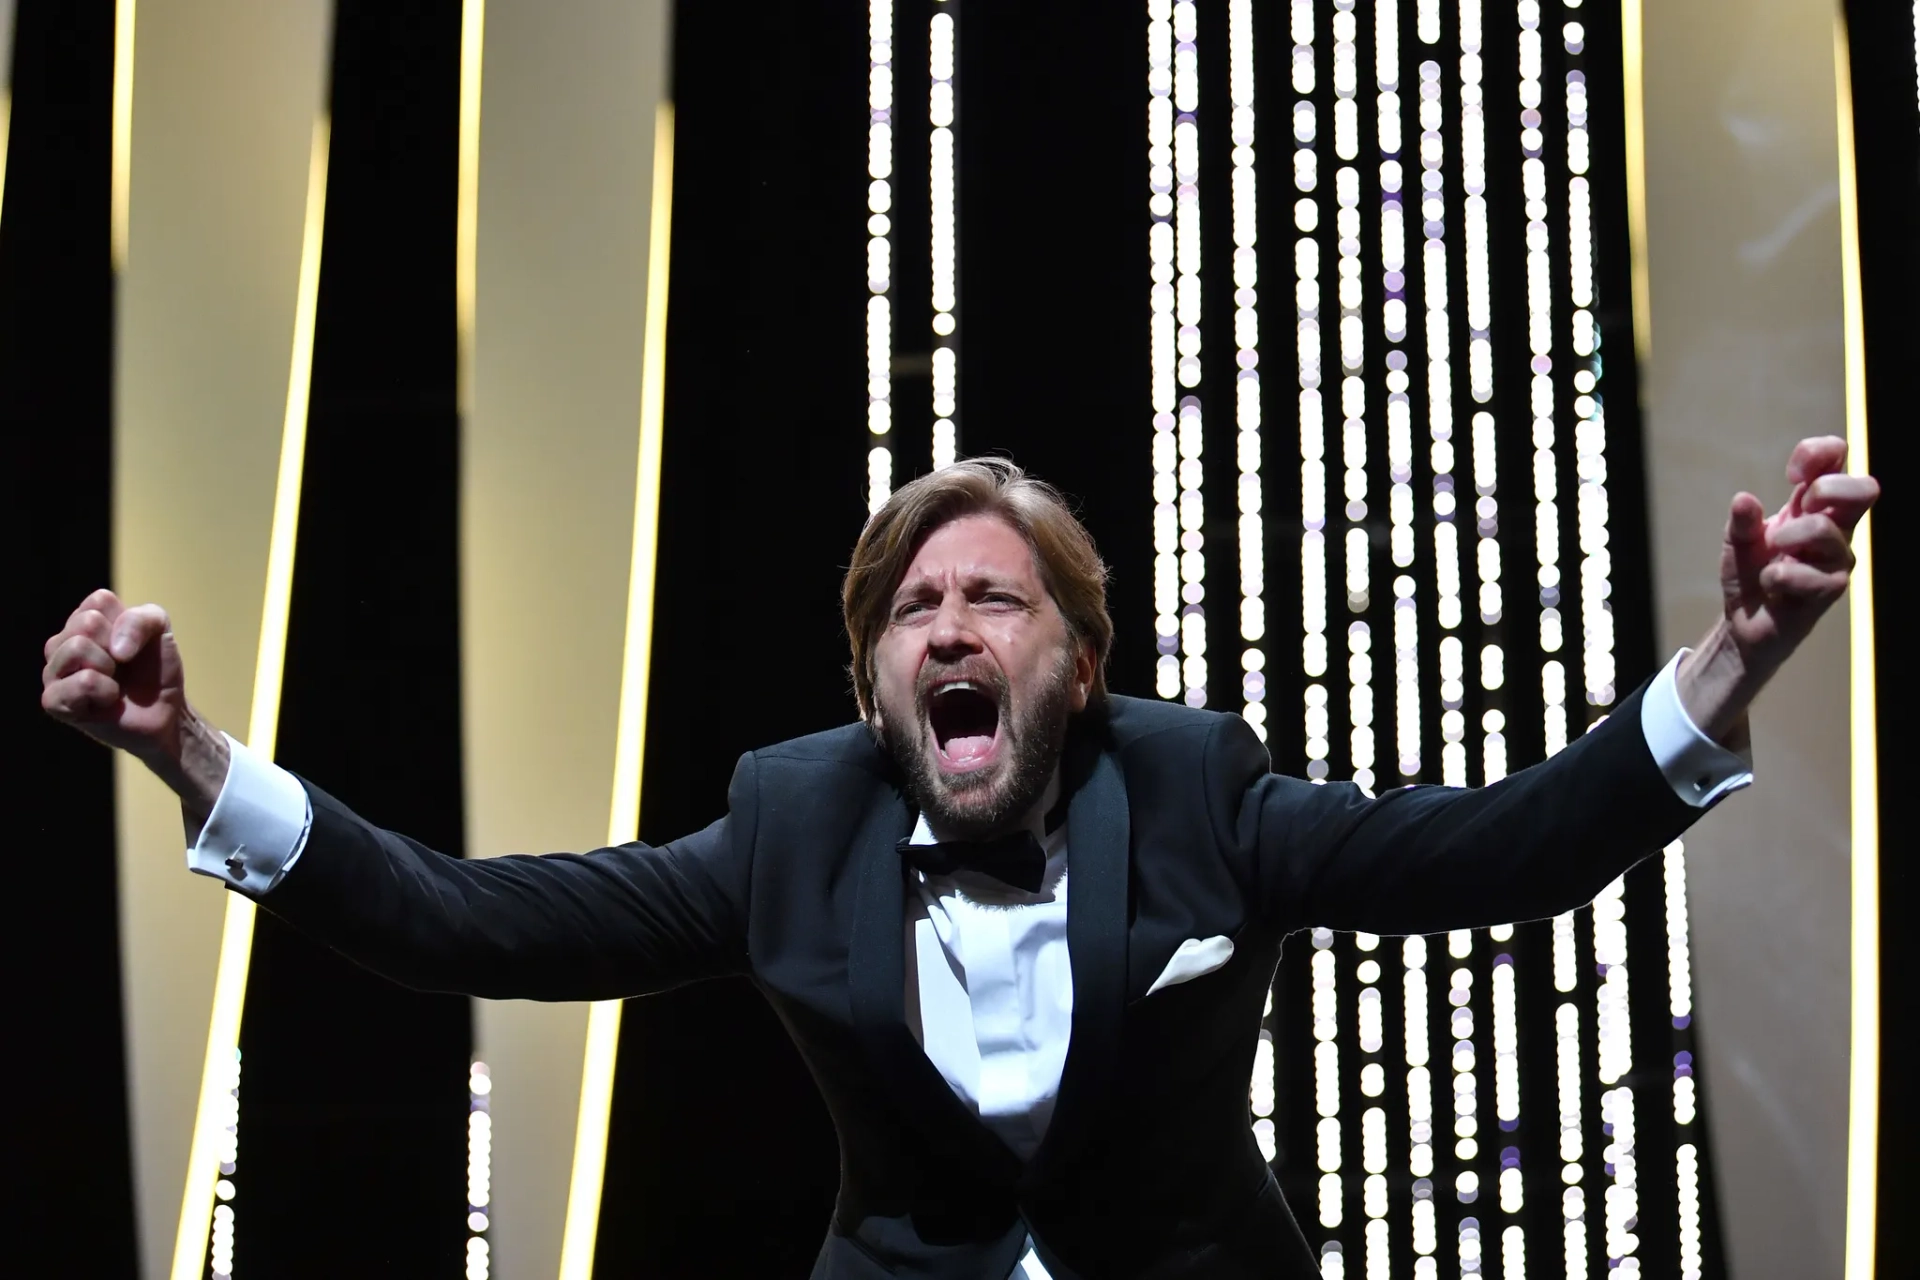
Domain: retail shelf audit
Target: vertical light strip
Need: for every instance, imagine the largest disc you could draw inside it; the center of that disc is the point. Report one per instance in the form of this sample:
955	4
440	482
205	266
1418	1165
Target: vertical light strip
1573	1200
1613	1051
1685	1087
1484	440
1393	313
1370	1032
1863	1083
1633	85
479	1169
122	129
220	1256
1326	1079
581	1231
263	723
879	251
1425	1213
1163	353
943	169
1591	504
1173	244
1246	387
1353	393
1446	538
1466	1097
1313	433
473	26
1187	310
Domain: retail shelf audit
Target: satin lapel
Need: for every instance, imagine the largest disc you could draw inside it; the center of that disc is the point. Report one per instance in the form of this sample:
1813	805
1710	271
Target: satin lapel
1098	838
876	980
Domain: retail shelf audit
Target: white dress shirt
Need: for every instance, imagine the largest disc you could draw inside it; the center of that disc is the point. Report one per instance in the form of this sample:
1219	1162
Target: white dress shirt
989	992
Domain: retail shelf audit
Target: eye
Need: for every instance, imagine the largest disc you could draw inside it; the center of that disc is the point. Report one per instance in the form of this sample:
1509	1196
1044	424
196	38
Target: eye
910	608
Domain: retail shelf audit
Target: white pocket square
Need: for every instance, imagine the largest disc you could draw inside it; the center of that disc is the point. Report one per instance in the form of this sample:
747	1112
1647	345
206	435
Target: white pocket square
1194	958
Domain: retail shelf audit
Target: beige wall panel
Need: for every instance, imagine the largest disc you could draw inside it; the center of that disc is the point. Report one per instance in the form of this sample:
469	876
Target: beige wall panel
547	505
225	96
1744	239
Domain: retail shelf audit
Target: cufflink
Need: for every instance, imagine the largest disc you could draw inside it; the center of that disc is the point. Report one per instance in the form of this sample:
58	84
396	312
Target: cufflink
236	865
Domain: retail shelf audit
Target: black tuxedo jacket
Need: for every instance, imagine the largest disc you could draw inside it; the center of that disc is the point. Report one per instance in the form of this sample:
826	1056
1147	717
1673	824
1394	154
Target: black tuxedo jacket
1176	829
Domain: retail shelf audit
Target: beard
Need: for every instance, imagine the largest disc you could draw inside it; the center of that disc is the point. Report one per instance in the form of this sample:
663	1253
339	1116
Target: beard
981	803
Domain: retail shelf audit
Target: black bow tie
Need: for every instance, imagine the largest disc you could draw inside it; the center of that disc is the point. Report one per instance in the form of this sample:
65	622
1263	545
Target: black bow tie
1016	859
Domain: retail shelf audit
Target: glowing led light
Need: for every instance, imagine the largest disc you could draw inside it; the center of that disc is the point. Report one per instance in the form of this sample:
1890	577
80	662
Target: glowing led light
1567	1076
227	1153
1246	340
879	251
1173	244
944	198
1686	1164
1513	1254
479	1165
1313	447
1326	1072
1415	1041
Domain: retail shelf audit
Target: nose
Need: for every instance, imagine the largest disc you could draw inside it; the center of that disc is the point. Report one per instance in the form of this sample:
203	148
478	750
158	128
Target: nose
952	635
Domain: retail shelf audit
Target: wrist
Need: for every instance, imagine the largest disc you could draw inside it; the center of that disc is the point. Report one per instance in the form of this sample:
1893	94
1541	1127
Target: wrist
1717	681
194	766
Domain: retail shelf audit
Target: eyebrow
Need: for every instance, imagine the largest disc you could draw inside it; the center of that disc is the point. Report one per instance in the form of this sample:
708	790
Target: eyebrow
973	581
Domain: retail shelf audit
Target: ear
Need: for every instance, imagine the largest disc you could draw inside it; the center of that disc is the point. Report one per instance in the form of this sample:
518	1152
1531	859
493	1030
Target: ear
1084	665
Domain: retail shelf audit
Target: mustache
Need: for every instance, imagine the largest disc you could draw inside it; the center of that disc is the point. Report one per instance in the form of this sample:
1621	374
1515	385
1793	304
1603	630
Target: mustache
978	671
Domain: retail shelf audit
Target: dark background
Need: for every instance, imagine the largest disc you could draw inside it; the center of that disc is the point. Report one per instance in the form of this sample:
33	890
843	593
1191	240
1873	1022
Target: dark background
722	1161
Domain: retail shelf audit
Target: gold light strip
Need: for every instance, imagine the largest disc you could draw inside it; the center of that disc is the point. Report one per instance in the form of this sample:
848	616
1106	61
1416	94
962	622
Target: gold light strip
1634	91
603	1017
122	127
1863	1086
473	26
6	118
263	723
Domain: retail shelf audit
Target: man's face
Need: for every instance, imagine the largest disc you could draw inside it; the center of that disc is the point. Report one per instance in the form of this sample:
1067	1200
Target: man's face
975	676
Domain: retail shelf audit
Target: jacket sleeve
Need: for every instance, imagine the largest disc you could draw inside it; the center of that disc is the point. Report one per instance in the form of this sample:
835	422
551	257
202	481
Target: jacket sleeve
615	922
1424	859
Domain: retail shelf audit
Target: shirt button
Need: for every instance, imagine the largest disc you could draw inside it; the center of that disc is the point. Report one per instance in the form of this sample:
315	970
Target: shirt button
1701	783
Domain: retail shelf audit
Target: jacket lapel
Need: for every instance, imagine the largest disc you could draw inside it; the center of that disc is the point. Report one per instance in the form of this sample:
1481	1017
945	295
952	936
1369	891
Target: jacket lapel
876	979
1098	839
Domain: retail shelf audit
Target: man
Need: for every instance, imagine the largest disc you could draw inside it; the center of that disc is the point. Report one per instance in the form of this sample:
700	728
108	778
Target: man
1020	929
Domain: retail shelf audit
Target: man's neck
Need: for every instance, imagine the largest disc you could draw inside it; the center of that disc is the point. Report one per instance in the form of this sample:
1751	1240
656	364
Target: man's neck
1034	820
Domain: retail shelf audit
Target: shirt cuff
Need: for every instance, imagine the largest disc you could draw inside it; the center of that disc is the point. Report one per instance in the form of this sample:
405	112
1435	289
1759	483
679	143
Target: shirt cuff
1700	770
258	826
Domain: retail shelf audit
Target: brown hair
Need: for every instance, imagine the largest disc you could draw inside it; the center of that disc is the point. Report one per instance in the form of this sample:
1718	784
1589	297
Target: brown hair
1063	551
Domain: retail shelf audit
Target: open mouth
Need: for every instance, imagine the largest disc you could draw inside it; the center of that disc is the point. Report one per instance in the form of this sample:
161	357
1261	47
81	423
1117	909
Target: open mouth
965	718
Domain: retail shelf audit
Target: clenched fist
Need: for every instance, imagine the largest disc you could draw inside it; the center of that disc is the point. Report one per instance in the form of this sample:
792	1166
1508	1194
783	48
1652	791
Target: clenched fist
114	673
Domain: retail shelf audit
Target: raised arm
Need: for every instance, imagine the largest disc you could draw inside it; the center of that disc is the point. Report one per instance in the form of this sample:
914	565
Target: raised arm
1428	859
1547	839
614	922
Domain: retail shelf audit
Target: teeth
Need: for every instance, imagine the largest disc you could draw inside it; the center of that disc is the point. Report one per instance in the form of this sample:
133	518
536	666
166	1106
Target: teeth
956	685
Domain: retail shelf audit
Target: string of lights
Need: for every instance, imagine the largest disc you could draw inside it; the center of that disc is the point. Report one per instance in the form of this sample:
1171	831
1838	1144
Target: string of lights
1246	387
1313	437
944	193
1685	1087
1420	1164
1353	392
220	1250
1370	1031
879	251
1326	1079
479	1169
1174	248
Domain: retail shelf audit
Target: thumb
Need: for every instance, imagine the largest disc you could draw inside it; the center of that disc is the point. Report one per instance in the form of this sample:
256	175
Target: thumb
135	629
